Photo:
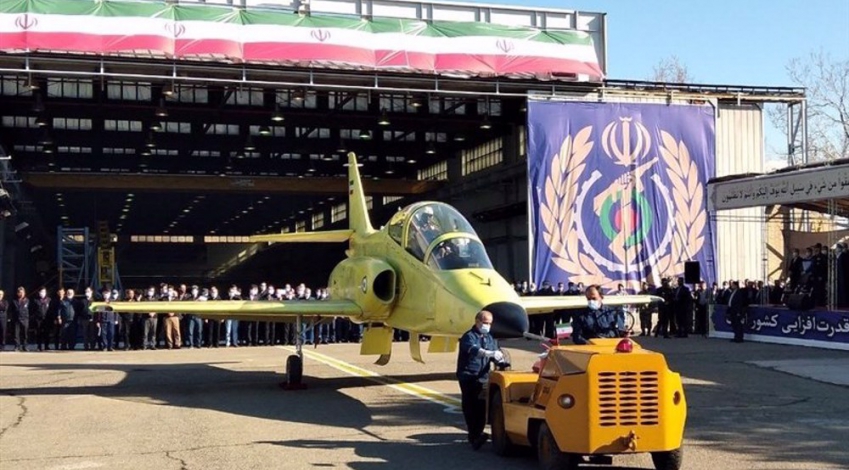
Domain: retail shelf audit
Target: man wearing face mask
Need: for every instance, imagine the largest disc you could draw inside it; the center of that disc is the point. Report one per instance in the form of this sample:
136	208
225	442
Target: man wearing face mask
38	320
83	318
477	350
598	321
231	327
213	326
150	321
193	322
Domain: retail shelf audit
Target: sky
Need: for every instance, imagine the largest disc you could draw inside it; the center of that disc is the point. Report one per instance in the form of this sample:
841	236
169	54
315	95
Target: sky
728	42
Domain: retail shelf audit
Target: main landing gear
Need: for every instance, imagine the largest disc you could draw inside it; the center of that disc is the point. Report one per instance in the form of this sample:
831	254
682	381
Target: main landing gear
295	362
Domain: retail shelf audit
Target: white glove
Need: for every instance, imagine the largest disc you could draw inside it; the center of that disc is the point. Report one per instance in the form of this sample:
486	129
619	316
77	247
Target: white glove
498	356
487	353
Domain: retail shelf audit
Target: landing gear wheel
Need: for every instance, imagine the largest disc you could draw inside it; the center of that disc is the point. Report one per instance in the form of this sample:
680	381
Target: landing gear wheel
294	373
550	457
501	444
671	460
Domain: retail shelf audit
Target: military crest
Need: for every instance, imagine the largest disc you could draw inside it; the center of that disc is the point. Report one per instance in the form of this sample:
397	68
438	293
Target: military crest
618	197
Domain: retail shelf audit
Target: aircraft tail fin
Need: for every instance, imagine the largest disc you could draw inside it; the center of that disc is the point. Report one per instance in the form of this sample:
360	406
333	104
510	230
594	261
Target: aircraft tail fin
357	208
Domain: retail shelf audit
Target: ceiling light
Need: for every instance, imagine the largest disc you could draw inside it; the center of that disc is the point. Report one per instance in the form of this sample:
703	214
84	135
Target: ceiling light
389	171
299	94
150	142
31	84
125	210
38	105
249	144
411	161
156	126
341	148
145	153
459	138
485	124
276	115
168	89
384	119
186	211
264	130
41	121
160	110
45	139
431	149
415	101
365	135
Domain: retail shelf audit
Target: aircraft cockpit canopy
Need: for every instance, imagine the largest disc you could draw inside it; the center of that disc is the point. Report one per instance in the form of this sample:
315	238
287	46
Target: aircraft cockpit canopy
440	236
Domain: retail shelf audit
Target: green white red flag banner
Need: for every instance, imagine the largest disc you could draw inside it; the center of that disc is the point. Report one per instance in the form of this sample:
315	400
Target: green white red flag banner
214	33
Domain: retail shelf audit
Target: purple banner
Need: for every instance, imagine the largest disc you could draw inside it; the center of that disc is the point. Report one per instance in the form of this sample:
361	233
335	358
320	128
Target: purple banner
618	191
779	322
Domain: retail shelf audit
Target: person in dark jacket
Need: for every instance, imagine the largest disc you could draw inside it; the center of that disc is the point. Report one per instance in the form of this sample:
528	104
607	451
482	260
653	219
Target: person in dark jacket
66	321
106	319
4	309
598	320
39	316
736	311
477	350
20	319
83	318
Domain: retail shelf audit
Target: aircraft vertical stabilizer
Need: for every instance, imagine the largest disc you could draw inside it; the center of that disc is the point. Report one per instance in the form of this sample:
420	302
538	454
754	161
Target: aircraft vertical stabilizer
357	208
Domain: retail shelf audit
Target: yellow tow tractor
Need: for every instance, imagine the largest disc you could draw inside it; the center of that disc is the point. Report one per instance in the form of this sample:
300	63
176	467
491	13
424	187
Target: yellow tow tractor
588	403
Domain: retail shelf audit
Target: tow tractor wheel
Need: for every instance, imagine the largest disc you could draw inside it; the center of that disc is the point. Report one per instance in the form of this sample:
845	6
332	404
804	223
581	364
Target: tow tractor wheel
550	457
501	444
671	460
294	370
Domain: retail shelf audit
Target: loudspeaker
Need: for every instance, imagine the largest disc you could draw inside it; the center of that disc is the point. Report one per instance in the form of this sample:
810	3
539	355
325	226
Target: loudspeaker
692	272
799	302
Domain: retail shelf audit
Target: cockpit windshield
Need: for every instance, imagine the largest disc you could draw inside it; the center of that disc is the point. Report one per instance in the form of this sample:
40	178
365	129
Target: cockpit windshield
431	221
458	253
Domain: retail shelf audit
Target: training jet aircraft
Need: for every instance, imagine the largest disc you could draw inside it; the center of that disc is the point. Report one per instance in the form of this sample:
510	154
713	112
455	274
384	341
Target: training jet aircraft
425	272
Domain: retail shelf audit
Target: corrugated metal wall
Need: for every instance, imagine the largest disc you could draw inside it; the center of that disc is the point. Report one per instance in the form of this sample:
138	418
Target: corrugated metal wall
740	233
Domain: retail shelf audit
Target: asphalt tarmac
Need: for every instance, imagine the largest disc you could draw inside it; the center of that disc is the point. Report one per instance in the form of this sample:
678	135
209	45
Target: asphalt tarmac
223	409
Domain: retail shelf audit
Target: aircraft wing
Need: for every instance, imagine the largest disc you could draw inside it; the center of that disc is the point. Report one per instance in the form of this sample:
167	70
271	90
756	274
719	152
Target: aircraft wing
543	304
254	310
326	236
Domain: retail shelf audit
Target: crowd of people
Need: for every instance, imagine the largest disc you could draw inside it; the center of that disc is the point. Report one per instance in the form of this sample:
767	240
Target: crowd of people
66	320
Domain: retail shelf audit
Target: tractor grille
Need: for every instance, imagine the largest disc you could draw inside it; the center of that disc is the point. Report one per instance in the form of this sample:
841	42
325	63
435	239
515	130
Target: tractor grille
628	398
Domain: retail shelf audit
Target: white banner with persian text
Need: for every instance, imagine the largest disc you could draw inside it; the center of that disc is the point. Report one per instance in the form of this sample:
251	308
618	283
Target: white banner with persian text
785	188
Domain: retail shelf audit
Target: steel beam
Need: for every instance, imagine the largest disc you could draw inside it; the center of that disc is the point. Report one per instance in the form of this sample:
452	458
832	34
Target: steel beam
216	184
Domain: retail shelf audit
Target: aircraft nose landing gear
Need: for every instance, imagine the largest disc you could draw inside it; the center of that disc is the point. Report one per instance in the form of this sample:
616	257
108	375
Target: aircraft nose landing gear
295	362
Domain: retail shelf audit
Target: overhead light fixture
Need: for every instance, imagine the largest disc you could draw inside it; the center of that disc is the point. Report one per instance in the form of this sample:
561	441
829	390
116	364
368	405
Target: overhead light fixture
161	111
384	118
459	138
156	126
415	101
168	89
45	139
276	115
389	171
411	160
41	121
38	105
365	135
485	124
326	158
249	144
341	148
299	94
431	149
264	130
31	84
49	149
145	153
150	142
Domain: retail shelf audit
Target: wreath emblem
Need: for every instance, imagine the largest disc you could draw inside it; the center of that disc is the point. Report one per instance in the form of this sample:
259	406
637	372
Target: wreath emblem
562	198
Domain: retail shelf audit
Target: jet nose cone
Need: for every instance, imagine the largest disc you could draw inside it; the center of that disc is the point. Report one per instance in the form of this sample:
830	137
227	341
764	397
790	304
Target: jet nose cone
509	320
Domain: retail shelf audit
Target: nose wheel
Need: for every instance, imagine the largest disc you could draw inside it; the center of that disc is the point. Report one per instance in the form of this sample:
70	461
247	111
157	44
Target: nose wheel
295	362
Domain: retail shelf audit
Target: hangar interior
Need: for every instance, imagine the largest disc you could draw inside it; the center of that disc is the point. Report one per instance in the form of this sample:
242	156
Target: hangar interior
183	159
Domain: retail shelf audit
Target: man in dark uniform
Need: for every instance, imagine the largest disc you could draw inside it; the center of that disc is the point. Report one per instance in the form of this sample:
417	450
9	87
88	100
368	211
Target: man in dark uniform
20	319
683	309
106	320
84	324
39	316
666	309
598	320
736	312
477	350
67	336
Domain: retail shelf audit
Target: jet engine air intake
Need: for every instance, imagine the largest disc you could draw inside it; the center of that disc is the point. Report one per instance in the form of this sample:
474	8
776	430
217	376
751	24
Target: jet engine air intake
370	282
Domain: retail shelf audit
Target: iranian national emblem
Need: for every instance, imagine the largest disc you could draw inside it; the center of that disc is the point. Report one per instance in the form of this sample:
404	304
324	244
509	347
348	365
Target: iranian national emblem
26	22
320	35
176	28
633	213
